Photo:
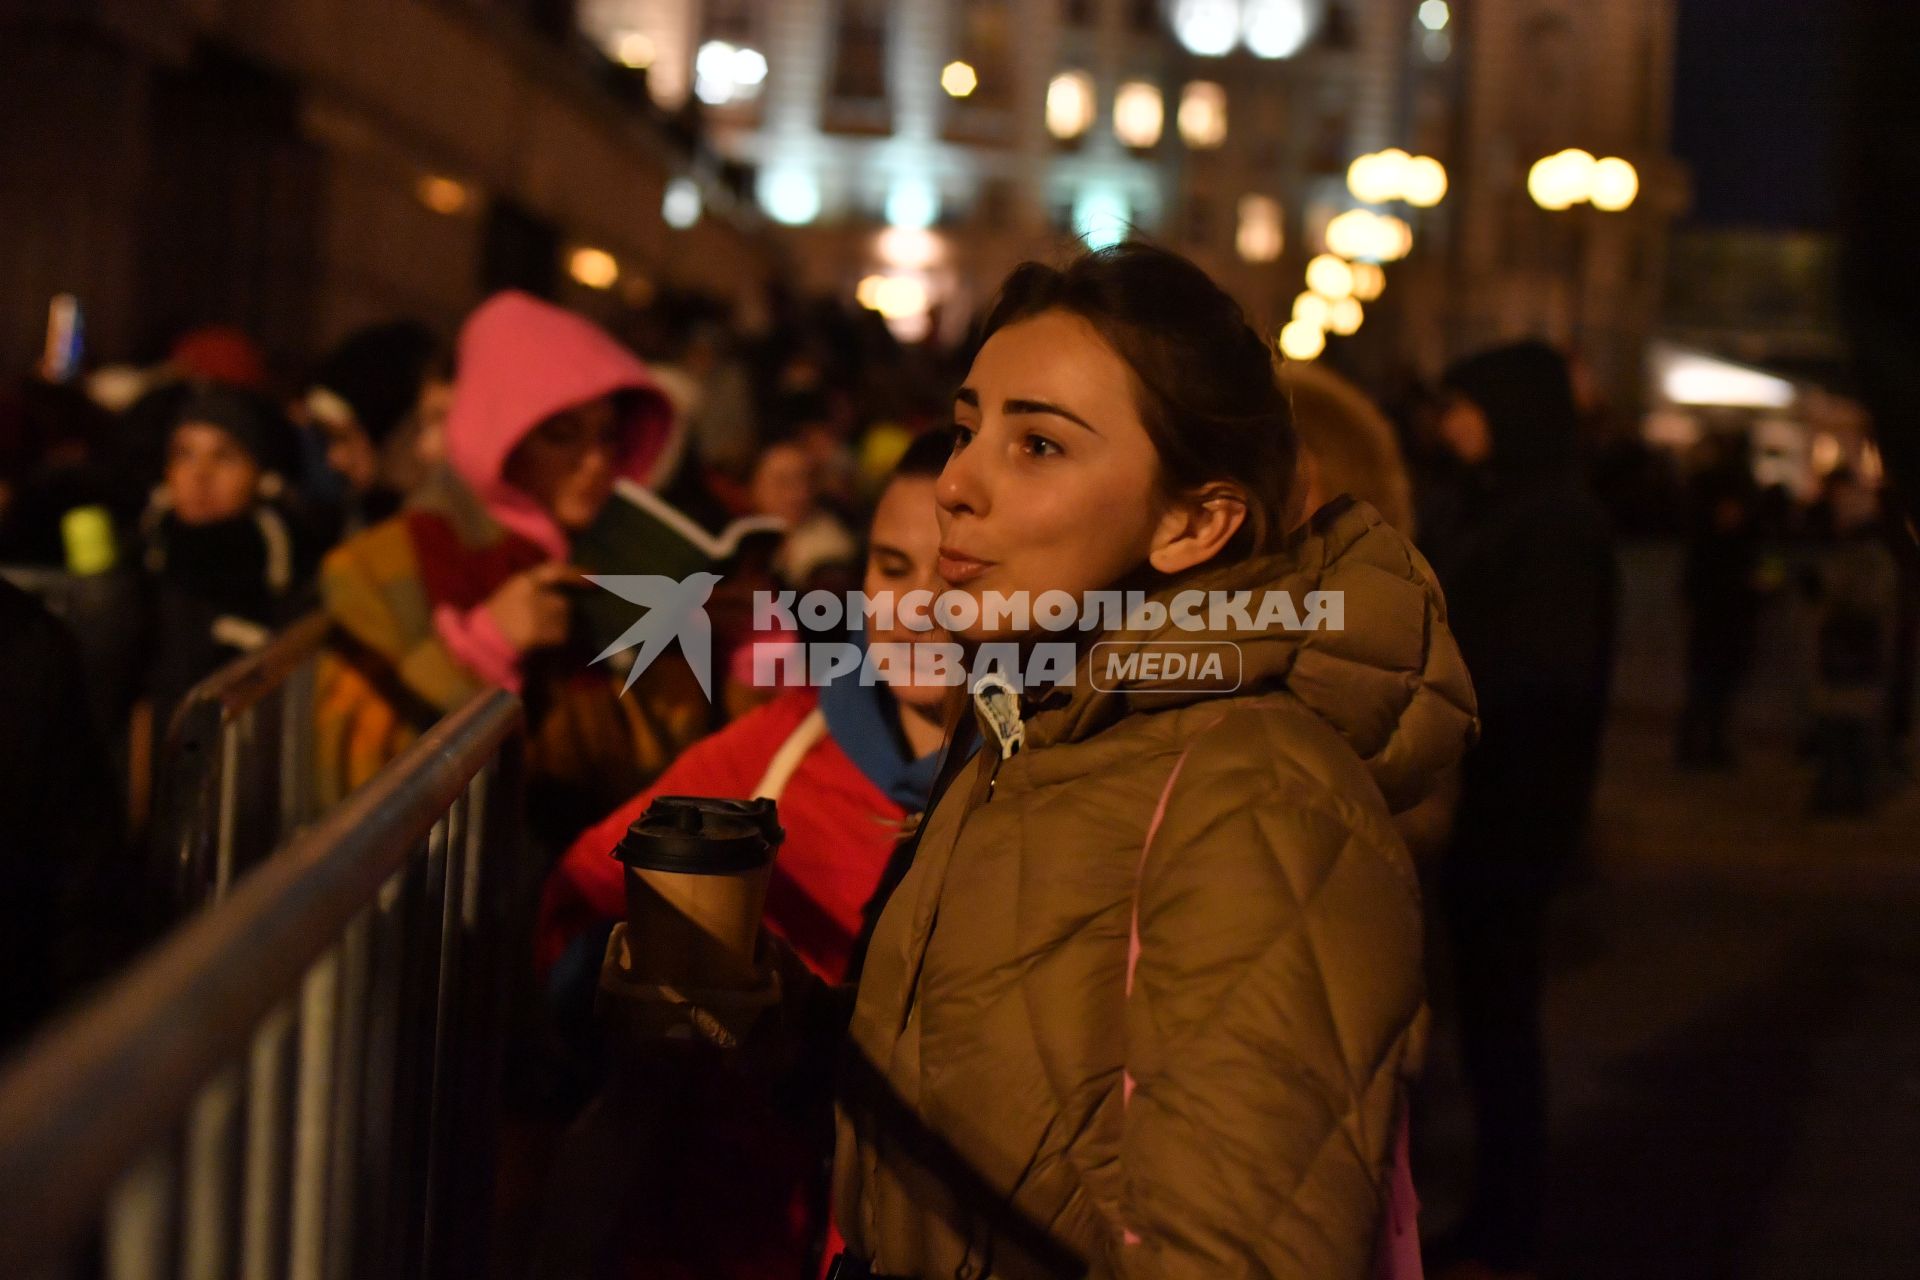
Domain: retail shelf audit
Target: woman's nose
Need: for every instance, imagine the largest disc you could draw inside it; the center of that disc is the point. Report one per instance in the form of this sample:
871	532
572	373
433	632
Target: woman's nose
961	486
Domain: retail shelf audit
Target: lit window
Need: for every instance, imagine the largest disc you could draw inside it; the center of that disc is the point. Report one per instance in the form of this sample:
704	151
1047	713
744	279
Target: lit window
1138	114
1070	104
1203	114
1259	238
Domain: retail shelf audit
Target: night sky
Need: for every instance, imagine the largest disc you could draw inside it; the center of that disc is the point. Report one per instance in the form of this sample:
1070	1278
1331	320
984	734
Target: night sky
1755	95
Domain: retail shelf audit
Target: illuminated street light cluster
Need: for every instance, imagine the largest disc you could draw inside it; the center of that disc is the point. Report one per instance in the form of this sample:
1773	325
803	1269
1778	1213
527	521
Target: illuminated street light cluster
893	296
724	73
1331	303
1268	28
1362	235
1383	176
1573	176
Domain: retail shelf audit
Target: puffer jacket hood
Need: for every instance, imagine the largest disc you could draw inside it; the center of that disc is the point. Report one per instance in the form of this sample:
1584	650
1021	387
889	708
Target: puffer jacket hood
521	361
1389	678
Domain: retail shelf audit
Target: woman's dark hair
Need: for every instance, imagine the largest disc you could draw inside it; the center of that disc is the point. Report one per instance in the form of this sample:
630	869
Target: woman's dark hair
1204	380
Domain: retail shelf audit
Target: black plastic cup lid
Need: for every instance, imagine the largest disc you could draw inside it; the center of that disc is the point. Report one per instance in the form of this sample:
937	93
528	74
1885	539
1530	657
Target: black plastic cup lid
699	835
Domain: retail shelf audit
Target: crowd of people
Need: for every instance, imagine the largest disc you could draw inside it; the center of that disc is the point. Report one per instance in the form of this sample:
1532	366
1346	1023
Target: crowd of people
1138	982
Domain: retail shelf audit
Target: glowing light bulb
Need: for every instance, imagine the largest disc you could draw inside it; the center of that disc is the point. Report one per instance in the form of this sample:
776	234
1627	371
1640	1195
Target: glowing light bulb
959	79
1615	184
1330	277
594	268
1302	341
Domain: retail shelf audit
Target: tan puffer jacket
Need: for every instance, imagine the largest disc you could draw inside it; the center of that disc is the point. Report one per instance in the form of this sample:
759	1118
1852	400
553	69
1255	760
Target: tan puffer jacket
1278	1002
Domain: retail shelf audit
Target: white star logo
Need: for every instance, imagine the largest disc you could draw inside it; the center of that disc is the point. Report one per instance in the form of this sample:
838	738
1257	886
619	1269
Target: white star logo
674	608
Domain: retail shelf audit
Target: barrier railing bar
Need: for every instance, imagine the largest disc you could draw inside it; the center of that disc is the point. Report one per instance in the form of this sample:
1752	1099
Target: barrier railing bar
109	1081
245	681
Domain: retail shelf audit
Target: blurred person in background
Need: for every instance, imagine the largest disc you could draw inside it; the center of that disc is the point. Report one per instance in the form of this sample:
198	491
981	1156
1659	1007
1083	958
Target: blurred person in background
1531	588
1856	589
748	1203
61	812
219	353
362	399
468	587
52	438
785	484
1721	585
67	514
1347	446
225	550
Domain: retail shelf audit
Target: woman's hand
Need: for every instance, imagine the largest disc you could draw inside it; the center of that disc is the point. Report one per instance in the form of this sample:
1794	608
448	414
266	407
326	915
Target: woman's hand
531	608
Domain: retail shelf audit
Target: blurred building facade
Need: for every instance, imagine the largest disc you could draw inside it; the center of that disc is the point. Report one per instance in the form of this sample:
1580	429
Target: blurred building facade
944	140
298	167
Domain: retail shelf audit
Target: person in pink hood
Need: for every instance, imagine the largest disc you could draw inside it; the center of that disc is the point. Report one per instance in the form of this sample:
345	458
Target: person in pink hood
468	586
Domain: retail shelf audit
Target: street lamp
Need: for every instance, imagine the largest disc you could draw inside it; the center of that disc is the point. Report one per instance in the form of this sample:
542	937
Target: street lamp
1573	176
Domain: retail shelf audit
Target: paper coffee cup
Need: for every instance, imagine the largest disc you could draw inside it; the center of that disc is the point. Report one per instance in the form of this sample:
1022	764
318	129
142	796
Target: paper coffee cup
697	871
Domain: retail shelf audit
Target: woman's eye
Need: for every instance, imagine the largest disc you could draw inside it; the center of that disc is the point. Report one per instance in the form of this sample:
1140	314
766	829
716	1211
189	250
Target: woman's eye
1041	447
962	436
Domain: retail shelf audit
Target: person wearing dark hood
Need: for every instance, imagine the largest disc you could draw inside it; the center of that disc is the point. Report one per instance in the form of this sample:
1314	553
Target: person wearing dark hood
1529	571
224	555
363	393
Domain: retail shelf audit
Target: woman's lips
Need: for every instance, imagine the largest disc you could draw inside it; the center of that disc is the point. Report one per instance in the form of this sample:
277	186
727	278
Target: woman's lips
957	567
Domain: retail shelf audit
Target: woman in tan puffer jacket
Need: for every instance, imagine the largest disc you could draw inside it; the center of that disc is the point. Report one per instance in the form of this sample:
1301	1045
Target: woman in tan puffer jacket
1023	1098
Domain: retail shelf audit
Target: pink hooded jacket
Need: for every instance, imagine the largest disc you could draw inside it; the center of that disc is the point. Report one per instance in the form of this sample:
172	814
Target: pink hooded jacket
521	361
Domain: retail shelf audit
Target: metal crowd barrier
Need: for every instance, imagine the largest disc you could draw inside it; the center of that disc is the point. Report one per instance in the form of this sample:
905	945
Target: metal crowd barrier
301	1080
235	774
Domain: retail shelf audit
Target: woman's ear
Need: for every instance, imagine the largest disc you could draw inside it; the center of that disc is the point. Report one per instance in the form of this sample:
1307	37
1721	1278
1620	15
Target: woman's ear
1194	528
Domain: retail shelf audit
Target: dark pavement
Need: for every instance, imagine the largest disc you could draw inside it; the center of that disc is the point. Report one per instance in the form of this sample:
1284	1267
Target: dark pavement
1732	1006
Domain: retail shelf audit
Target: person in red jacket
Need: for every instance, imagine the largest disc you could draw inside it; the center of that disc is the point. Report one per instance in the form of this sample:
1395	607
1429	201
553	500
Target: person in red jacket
850	766
861	764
